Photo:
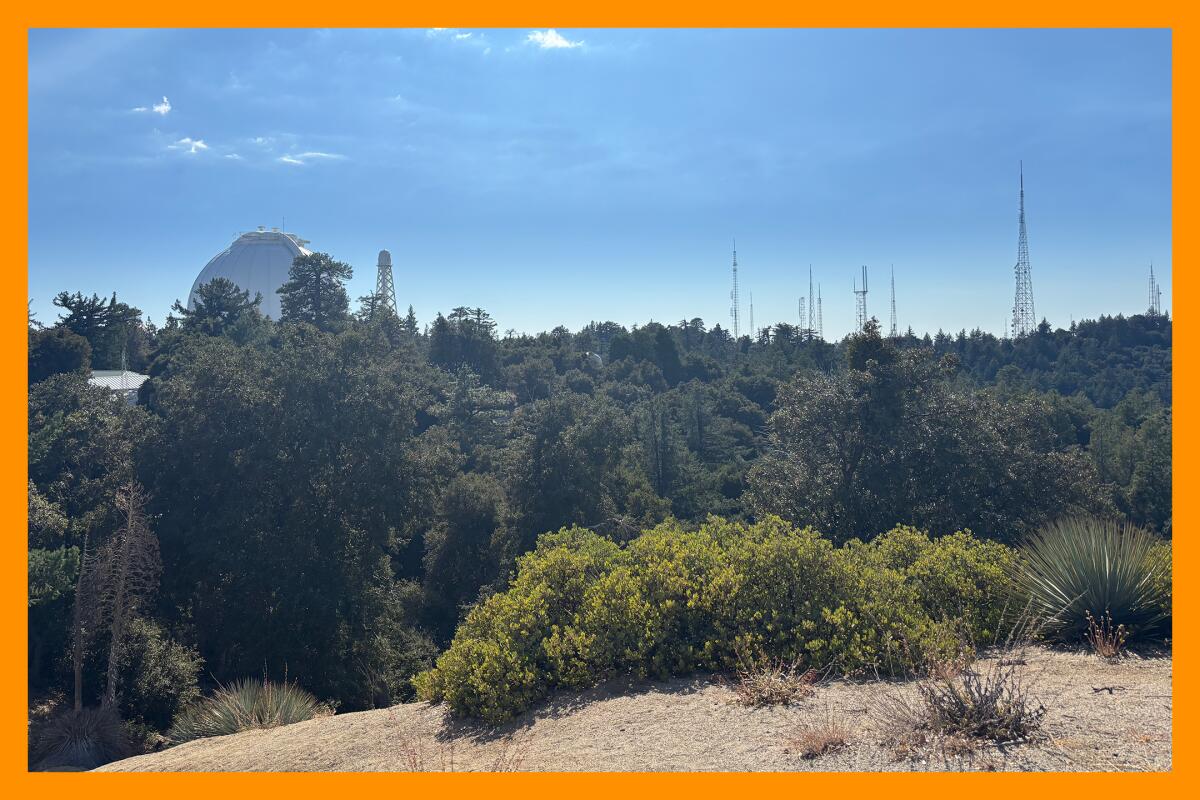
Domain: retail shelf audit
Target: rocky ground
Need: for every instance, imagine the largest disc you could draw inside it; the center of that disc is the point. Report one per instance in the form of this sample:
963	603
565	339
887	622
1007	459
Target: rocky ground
1100	715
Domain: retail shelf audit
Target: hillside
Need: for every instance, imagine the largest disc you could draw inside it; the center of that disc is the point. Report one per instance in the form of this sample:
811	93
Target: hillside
1100	716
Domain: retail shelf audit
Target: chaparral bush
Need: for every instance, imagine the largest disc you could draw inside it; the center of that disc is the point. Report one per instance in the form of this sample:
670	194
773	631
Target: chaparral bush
582	608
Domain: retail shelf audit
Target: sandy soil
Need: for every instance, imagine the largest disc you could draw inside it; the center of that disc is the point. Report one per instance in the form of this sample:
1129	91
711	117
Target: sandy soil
1101	716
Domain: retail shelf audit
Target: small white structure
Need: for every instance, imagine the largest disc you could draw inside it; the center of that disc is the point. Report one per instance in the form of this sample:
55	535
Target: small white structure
258	262
119	381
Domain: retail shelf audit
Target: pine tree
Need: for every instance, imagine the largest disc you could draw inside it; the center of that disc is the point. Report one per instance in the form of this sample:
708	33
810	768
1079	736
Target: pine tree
315	291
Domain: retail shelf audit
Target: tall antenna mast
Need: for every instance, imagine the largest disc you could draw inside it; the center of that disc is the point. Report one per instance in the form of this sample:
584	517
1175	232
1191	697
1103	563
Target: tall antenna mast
735	308
385	290
802	330
810	328
820	321
1024	319
861	315
1155	293
894	333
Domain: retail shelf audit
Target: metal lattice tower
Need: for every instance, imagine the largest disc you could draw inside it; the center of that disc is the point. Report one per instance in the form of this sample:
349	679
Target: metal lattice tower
810	328
861	311
820	321
802	317
385	290
1024	319
1155	307
735	311
893	332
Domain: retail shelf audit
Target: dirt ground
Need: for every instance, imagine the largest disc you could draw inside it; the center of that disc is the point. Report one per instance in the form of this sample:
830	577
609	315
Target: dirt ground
1100	716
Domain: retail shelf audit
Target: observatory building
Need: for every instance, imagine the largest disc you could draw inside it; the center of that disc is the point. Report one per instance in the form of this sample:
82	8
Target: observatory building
258	262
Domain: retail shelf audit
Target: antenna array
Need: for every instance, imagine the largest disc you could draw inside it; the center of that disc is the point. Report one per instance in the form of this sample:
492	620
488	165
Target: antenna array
861	311
735	307
1024	319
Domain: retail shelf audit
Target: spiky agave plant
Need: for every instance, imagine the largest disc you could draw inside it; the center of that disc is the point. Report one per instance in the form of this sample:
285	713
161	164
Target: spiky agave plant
1084	565
244	705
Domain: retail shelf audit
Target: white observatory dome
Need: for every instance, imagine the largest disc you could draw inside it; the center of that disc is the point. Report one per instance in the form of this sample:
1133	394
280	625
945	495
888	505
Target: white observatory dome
257	261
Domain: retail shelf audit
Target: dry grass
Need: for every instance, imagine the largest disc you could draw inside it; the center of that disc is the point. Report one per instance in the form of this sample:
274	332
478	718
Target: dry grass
1107	641
695	723
826	735
773	683
417	754
962	702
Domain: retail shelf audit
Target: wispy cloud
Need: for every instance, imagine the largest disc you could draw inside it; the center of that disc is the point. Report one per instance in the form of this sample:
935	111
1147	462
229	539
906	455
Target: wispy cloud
470	38
551	39
233	156
189	144
162	108
300	159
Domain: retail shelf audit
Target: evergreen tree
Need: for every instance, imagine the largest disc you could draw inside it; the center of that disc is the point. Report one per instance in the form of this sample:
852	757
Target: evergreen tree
315	291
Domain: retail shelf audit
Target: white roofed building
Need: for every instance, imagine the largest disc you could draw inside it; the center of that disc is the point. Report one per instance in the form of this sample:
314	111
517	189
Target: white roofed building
258	262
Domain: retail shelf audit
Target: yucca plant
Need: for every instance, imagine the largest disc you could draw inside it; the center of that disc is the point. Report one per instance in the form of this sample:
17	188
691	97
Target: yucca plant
1085	566
244	705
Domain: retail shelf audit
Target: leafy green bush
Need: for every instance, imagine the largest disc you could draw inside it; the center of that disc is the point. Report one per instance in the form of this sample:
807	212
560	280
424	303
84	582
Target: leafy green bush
583	608
1086	565
244	705
158	675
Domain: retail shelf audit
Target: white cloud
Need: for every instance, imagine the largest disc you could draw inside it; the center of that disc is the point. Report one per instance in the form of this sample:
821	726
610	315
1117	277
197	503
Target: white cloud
189	144
233	156
550	39
162	108
301	159
461	36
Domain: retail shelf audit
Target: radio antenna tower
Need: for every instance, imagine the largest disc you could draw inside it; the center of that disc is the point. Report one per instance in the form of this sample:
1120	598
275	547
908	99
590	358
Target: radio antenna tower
385	290
810	326
820	322
802	300
734	308
861	315
1024	320
893	333
1155	294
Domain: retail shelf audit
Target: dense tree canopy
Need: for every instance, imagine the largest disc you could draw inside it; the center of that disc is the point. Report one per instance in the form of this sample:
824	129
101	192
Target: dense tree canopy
331	494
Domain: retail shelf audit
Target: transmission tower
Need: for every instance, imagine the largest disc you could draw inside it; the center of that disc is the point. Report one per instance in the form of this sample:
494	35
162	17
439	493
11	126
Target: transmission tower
1155	294
1024	320
735	307
893	333
385	290
861	316
820	321
802	317
810	325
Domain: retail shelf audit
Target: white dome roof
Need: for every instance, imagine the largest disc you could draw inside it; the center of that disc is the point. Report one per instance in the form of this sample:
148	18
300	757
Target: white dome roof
257	261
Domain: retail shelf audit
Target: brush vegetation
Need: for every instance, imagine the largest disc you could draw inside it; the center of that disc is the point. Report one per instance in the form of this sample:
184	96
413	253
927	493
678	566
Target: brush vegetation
245	705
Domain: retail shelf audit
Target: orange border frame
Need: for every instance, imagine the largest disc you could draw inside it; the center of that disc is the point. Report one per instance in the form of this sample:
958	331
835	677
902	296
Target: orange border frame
541	13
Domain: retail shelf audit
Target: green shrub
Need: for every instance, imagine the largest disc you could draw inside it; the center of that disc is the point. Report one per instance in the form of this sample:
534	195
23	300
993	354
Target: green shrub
582	609
244	705
958	578
1086	565
158	675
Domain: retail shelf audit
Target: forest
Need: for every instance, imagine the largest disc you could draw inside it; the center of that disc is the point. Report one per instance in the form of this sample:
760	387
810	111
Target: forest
324	499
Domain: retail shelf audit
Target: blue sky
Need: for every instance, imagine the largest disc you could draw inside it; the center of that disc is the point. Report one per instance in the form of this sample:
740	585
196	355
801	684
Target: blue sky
561	176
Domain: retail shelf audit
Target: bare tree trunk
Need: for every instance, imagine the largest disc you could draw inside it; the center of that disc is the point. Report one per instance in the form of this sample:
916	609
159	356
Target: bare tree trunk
77	625
131	575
